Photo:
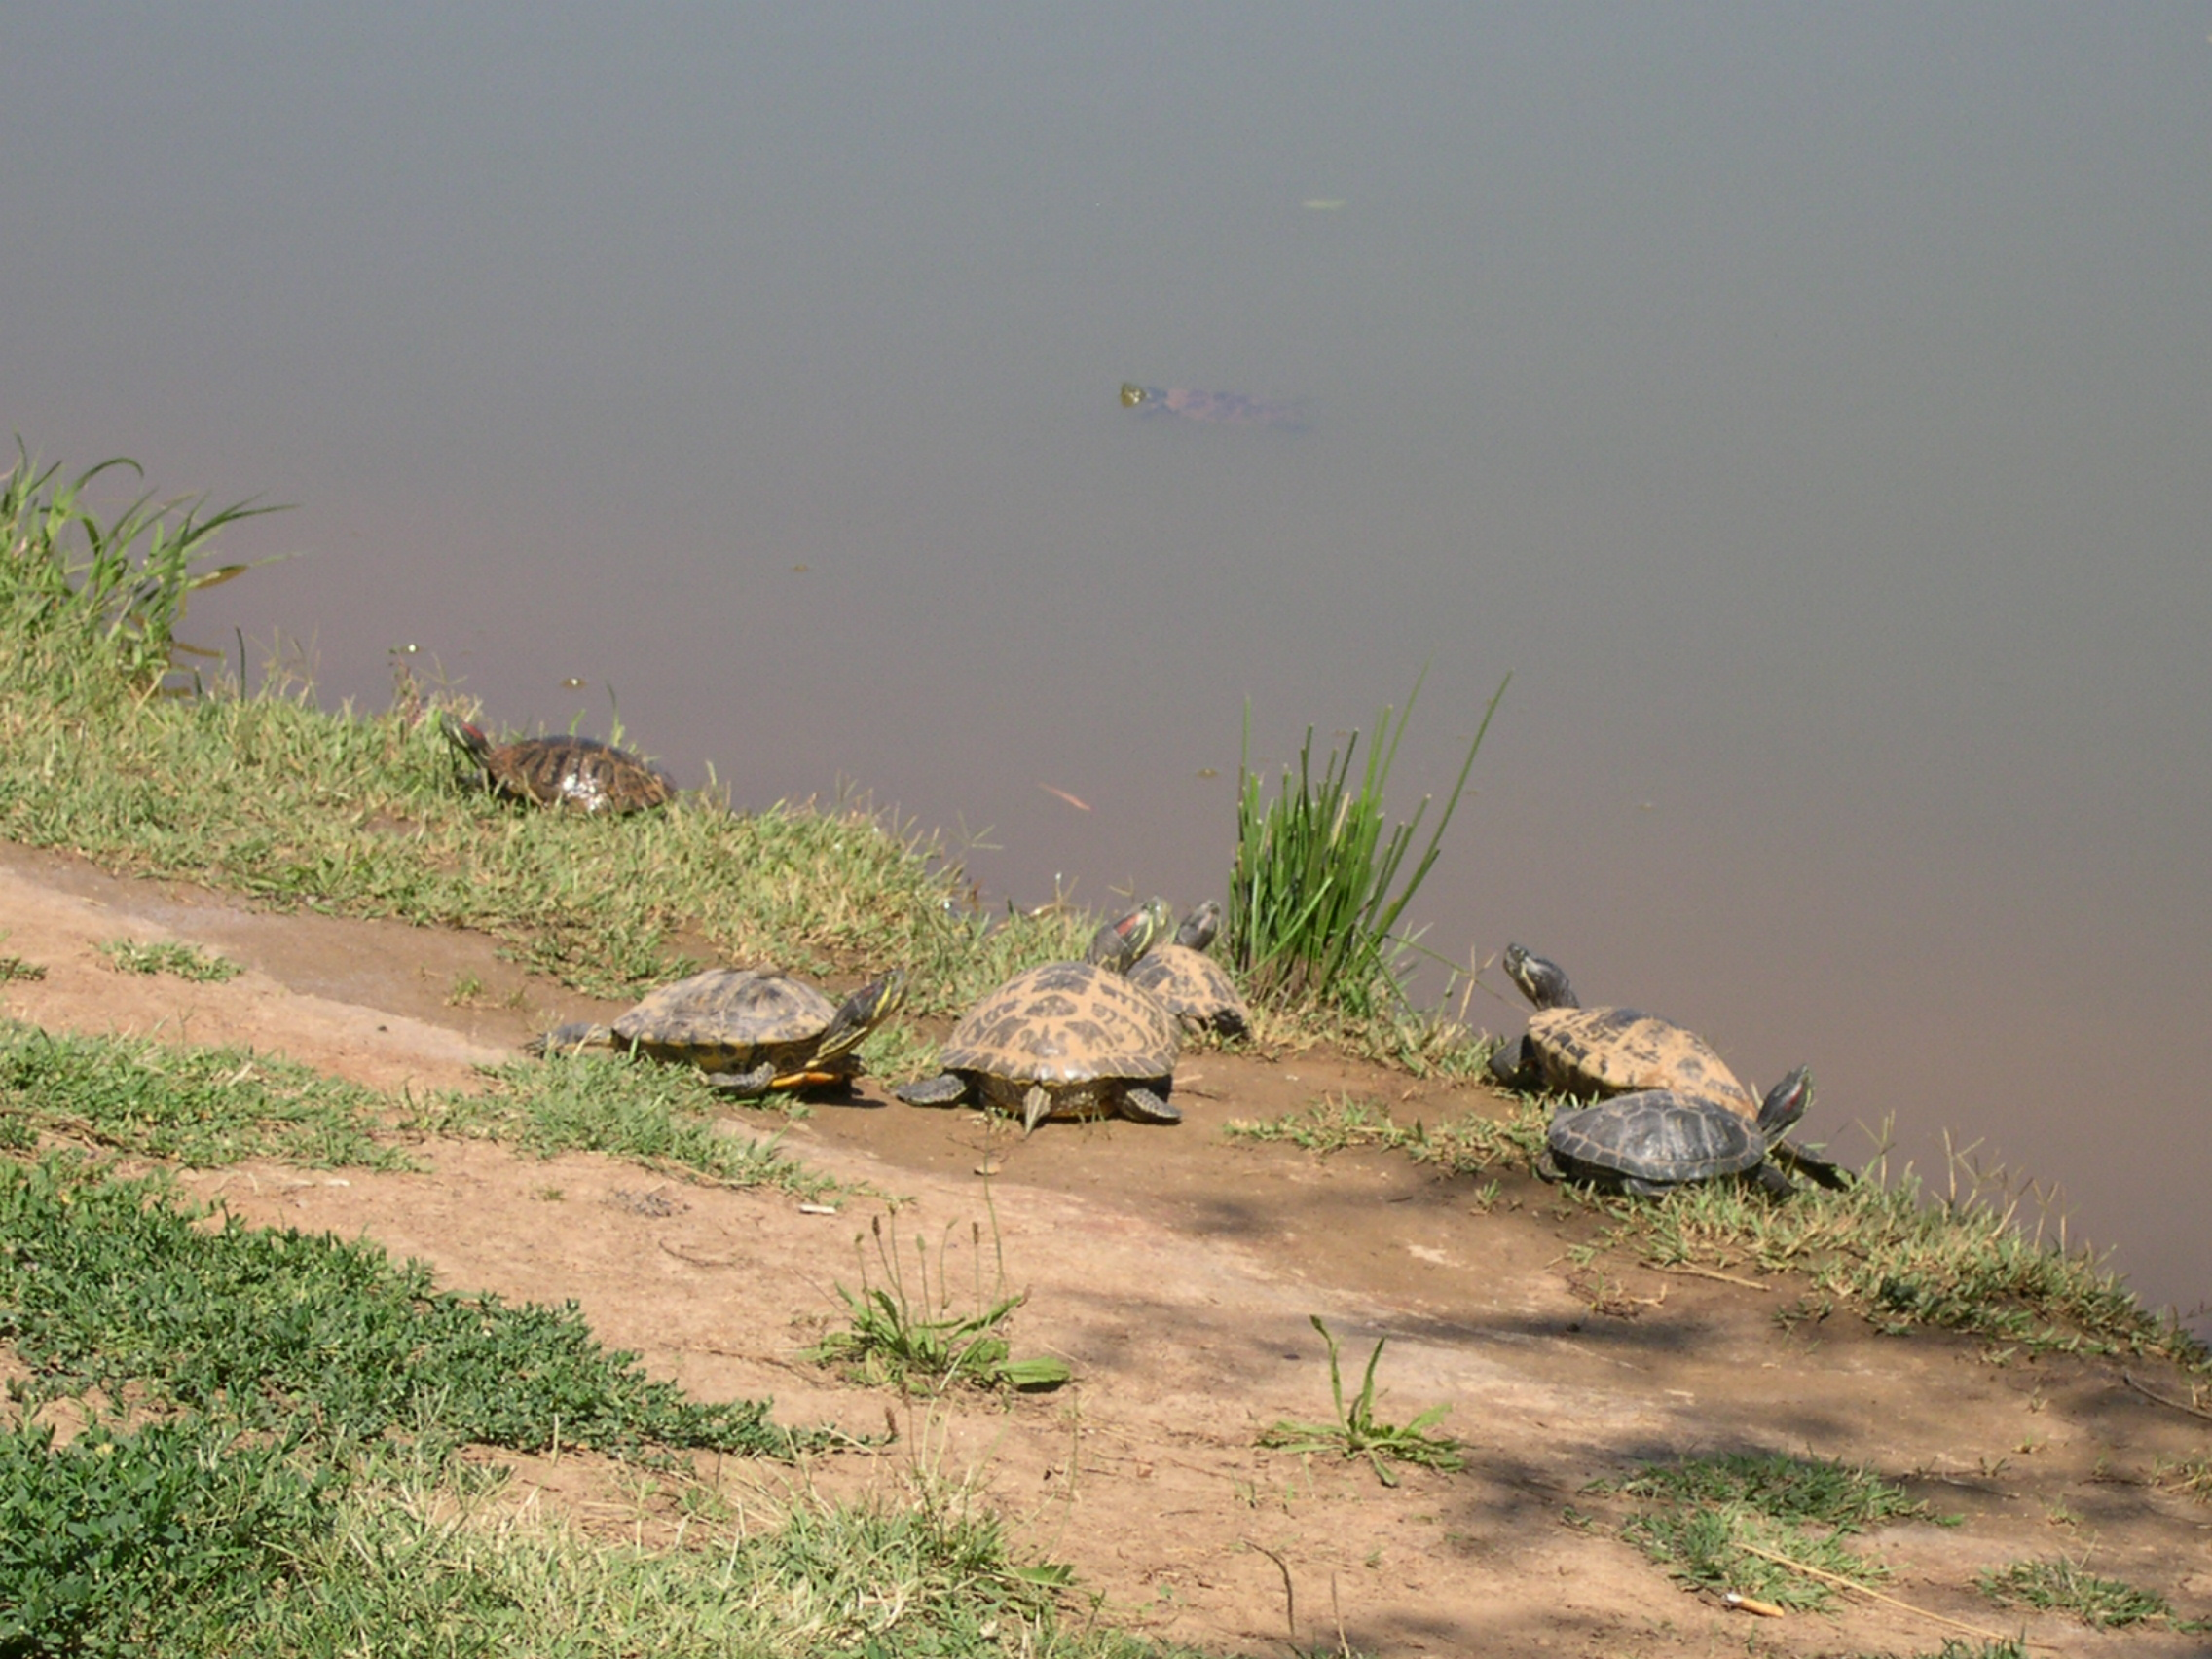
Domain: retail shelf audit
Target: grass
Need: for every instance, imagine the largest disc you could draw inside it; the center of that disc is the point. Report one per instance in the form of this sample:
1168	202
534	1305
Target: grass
1317	888
1707	1520
1358	1433
2068	1587
1882	1246
110	1283
16	968
169	956
914	1338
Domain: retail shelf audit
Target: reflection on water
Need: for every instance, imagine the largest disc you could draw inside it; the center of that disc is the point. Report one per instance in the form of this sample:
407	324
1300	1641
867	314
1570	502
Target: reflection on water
1807	406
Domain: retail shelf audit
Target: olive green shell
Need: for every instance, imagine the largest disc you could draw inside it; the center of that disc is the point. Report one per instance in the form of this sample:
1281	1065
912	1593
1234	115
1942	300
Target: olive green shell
1080	1032
1614	1051
1195	989
730	1019
1654	1139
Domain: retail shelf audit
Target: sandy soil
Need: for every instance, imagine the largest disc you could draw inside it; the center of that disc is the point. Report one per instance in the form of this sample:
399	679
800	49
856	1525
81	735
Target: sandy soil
1175	1271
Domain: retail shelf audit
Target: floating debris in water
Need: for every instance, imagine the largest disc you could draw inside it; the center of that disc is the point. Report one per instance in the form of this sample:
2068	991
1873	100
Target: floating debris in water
573	682
1079	805
1225	408
1323	203
796	568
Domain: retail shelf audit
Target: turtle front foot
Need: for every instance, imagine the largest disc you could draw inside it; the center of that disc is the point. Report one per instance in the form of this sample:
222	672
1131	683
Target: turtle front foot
1145	1107
946	1089
745	1083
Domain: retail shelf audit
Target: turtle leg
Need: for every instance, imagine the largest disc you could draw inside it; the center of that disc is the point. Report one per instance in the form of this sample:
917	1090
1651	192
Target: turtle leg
1034	1106
758	1080
1505	1065
1646	1188
1771	1177
569	1038
946	1089
1811	1165
1145	1107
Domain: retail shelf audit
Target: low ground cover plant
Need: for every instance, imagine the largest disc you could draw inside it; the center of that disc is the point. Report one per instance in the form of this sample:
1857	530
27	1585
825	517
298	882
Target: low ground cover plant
169	956
1358	1432
2067	1586
1722	1522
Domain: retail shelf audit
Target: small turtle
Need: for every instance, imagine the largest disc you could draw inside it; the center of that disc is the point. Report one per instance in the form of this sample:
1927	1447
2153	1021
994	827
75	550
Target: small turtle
1661	1138
1224	408
1067	1040
1598	1051
1191	984
562	771
748	1031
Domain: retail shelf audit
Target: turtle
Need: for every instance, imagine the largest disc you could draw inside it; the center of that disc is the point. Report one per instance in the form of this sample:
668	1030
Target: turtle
1224	408
1067	1040
1599	1052
1656	1139
750	1030
1197	993
579	772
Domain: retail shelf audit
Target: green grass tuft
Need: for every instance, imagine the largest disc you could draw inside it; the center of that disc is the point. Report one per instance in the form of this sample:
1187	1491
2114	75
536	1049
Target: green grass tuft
2067	1587
169	956
1358	1433
1707	1520
1316	892
1469	1145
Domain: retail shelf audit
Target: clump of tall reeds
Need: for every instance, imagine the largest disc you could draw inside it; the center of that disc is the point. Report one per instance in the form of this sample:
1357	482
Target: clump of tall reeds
1317	887
77	590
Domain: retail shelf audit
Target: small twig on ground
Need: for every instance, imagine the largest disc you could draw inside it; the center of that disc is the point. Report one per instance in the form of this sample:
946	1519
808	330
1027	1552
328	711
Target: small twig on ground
2150	1393
1842	1584
1711	1274
1289	1595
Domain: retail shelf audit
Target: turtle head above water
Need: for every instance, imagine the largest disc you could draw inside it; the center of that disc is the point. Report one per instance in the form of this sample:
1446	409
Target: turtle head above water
1119	943
1786	1102
1541	980
1200	927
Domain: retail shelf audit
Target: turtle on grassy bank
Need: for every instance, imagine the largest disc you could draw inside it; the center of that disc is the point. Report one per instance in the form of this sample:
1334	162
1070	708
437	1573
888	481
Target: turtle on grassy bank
1067	1040
1191	984
577	772
1657	1139
750	1031
1596	1052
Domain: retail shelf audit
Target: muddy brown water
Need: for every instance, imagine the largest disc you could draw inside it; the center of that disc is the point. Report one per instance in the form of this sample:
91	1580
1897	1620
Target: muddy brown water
1177	1271
1805	404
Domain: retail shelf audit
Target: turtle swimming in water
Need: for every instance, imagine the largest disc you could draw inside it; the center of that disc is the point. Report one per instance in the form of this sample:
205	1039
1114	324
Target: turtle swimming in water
1598	1051
750	1031
1657	1139
1067	1040
577	772
1190	982
1224	408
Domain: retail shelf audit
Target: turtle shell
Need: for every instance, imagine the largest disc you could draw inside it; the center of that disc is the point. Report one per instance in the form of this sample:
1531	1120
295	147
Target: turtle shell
579	772
1074	1028
1613	1051
1655	1138
729	1018
1194	988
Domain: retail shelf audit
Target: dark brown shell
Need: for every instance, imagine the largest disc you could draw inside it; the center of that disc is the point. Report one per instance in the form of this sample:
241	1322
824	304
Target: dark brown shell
1064	1024
729	1019
1195	989
577	772
1616	1050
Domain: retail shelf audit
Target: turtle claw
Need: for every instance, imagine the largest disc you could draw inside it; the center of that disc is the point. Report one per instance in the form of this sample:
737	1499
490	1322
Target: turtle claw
1146	1107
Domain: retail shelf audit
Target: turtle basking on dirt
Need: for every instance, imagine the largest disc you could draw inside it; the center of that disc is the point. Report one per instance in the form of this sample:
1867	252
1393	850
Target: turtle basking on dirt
1067	1040
1599	1052
1191	984
748	1031
577	772
1656	1139
1223	408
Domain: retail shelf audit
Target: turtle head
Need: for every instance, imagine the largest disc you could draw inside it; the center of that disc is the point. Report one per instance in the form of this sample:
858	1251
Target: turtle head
1119	942
1199	926
469	739
877	1001
1541	980
1786	1102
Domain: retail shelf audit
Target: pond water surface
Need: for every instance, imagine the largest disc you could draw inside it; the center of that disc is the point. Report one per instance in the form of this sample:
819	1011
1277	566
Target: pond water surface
1810	407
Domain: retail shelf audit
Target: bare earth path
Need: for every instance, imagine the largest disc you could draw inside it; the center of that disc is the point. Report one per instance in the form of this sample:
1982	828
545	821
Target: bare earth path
1175	1271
